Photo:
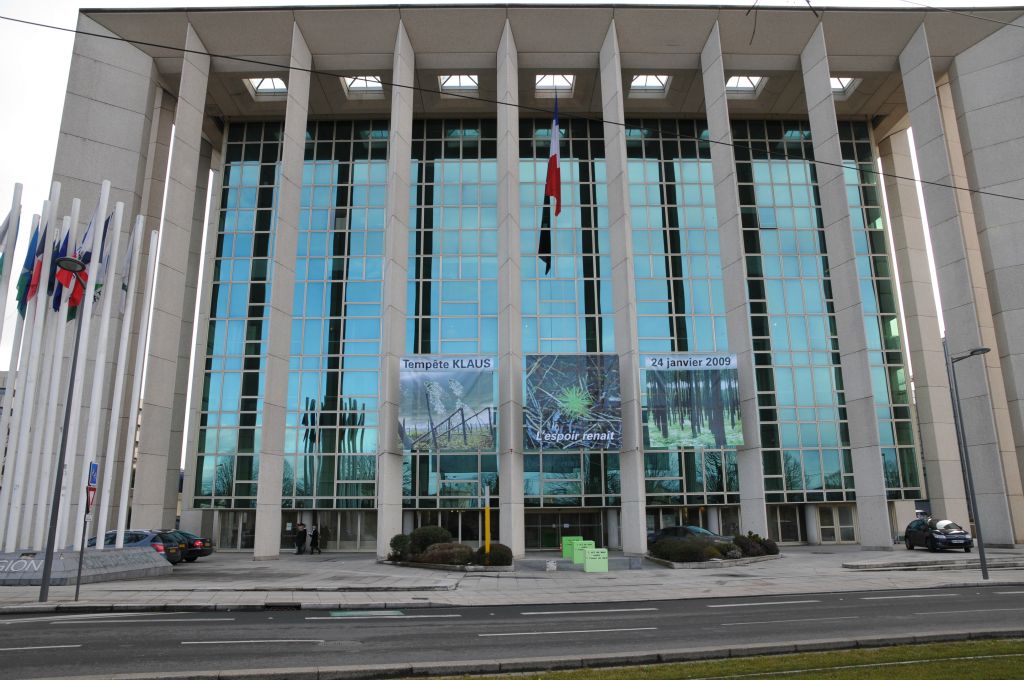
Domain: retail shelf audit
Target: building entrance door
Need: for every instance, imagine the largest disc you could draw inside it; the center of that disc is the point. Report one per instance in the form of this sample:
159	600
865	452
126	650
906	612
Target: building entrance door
836	525
544	530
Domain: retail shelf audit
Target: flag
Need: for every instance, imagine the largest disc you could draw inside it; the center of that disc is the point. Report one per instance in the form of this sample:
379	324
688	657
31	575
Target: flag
552	189
126	266
83	252
25	280
55	287
4	229
103	264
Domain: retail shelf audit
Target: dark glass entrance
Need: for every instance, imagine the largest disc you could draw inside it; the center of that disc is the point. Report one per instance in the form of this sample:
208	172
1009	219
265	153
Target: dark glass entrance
544	530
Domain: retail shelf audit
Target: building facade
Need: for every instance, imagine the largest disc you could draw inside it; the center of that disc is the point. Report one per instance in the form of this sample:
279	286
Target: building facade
351	198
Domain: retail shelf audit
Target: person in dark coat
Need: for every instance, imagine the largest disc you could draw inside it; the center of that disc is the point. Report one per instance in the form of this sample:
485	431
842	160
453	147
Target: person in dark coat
300	538
314	542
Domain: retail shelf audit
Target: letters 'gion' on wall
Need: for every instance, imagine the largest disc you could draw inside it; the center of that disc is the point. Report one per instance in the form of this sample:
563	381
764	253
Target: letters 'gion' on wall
572	401
448	403
691	401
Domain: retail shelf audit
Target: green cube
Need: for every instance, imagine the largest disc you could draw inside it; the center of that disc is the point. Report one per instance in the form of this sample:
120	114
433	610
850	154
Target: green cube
567	543
595	560
579	550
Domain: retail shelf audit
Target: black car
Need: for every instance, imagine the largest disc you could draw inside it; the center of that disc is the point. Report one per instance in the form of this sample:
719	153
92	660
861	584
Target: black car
196	546
686	531
937	534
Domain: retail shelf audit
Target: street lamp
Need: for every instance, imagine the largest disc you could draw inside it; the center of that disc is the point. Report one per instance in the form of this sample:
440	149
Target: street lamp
965	455
75	267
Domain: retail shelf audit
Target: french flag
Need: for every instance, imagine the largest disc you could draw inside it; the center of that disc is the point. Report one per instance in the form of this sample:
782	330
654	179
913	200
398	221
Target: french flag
552	189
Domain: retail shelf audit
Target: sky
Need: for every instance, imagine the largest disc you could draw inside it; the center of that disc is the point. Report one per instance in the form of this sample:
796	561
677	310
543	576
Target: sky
34	66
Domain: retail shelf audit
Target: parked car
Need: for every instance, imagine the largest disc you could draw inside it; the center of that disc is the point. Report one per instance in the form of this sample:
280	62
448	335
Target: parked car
688	530
937	534
162	542
195	546
183	542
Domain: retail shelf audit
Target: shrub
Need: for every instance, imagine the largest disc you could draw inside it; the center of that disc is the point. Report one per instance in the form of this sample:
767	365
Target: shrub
747	545
730	552
681	549
446	553
711	552
399	548
424	537
770	546
501	556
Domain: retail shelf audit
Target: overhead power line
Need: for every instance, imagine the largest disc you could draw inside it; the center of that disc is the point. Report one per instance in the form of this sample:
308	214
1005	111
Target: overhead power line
779	155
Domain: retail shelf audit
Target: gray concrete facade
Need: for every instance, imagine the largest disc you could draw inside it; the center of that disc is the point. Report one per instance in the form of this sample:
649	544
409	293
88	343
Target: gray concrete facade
753	516
872	508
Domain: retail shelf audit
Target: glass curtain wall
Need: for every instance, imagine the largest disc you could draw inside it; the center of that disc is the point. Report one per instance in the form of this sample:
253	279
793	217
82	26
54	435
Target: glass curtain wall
452	299
680	298
804	432
569	310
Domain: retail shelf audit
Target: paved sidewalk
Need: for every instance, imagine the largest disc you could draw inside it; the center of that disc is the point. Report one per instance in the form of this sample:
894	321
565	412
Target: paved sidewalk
348	580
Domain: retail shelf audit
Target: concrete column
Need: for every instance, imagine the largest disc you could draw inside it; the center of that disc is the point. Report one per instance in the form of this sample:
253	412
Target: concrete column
812	525
396	276
943	472
872	509
753	514
155	493
986	90
267	542
191	520
715	519
620	228
510	315
965	304
611	516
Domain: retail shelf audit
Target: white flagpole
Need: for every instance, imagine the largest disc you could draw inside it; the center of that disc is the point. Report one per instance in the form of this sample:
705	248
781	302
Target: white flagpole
92	431
56	377
23	455
85	319
43	399
133	403
8	249
117	397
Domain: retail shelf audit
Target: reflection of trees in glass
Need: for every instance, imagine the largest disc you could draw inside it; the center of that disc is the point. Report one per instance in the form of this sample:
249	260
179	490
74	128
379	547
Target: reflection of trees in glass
224	476
706	403
793	470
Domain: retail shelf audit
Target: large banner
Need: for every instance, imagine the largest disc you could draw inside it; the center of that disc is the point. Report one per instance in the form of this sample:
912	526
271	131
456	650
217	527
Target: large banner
572	401
448	404
691	401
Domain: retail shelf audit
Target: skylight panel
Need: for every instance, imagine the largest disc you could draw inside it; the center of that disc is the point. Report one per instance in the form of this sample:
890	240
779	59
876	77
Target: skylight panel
363	87
649	85
266	87
843	87
549	85
748	85
459	84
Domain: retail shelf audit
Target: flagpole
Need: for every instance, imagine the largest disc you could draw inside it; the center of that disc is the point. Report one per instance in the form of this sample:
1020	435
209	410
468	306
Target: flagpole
118	396
8	250
133	404
92	431
85	322
11	464
56	375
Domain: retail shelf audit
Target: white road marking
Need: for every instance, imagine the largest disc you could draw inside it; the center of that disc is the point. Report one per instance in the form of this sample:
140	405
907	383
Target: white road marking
564	632
64	623
589	611
1010	592
25	649
754	623
385	618
762	604
909	597
102	615
245	642
969	611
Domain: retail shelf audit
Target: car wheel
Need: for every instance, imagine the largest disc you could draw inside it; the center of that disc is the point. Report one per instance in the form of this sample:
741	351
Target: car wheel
967	548
910	544
932	547
191	559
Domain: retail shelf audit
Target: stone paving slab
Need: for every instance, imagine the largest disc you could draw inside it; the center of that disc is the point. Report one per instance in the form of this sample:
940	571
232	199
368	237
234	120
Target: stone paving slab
355	581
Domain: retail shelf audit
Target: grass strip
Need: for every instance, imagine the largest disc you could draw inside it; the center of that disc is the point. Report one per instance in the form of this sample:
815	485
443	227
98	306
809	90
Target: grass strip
967	660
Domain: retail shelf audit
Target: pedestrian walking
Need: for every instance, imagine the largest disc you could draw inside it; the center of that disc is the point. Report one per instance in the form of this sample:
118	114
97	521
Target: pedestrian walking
300	538
314	542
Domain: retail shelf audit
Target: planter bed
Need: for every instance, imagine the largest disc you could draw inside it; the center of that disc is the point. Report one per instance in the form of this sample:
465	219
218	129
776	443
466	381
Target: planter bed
449	567
712	564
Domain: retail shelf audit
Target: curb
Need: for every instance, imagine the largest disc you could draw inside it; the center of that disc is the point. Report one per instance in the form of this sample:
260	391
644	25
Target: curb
713	564
534	664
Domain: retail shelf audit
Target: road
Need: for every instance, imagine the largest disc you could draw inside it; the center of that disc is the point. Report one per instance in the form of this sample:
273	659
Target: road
58	645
